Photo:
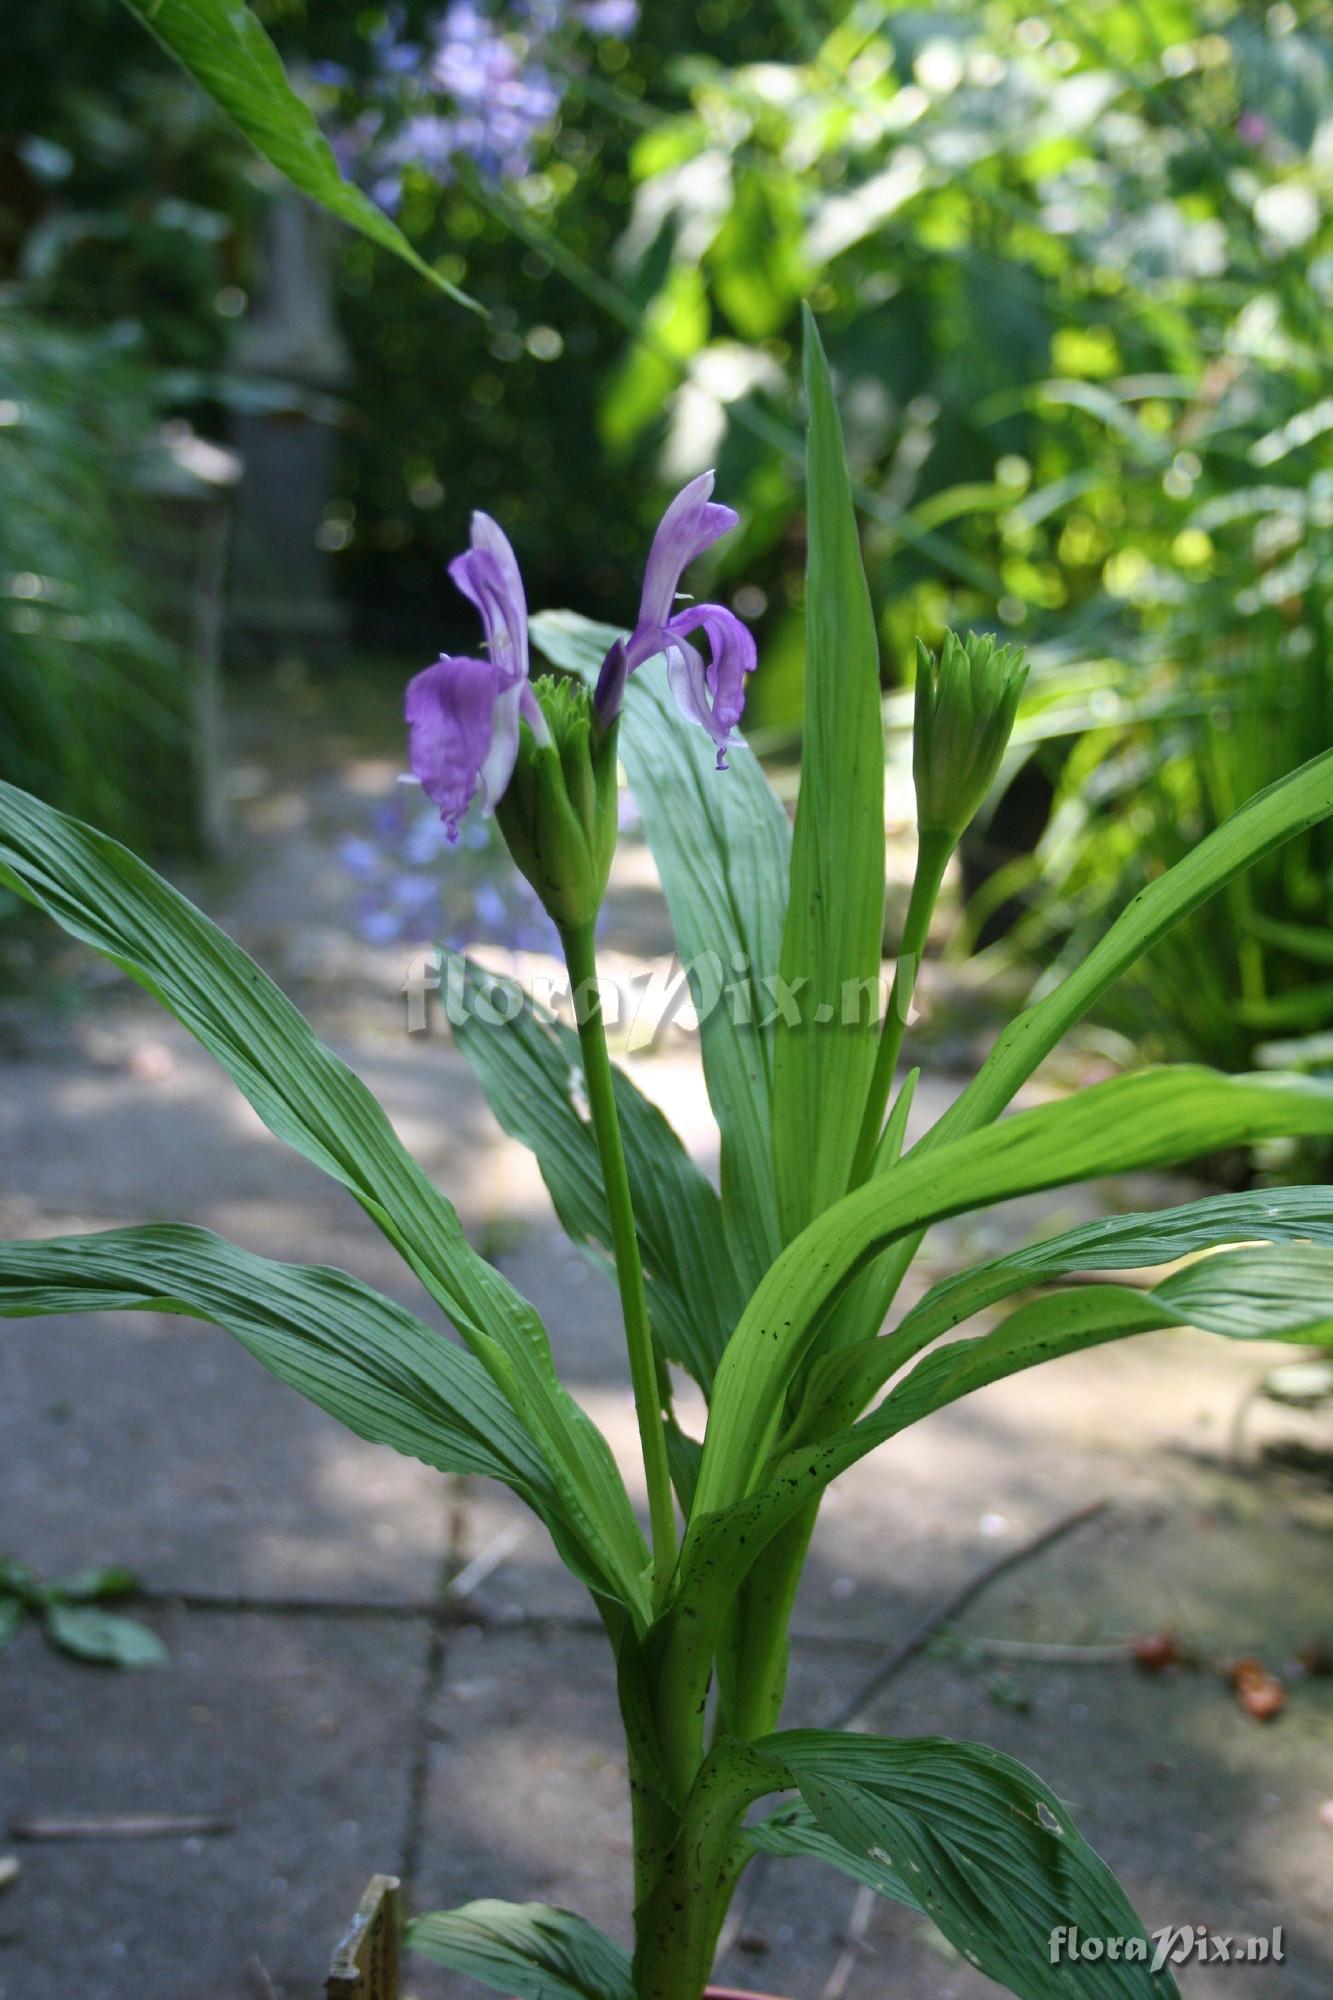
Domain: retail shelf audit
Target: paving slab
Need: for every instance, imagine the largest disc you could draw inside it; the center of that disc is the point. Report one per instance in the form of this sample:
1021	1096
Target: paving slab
526	1794
162	1445
299	1731
1122	1423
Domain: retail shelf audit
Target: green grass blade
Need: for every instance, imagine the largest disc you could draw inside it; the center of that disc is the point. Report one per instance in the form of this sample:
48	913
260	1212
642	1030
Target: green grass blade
833	938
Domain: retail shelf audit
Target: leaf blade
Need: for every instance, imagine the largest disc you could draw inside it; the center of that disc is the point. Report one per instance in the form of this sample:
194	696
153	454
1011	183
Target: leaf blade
1153	1118
530	1071
833	936
531	1951
982	1846
102	894
223	45
102	1637
722	845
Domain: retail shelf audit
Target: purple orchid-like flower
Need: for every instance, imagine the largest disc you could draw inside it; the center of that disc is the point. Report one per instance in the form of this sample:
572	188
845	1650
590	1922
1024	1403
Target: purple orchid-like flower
709	690
463	714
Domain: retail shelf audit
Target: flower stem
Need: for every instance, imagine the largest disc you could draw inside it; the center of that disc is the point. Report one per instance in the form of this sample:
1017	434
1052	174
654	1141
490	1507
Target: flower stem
932	858
581	959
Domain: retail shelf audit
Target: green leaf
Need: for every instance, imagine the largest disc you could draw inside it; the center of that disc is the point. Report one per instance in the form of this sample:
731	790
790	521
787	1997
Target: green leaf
980	1845
530	1070
1265	822
226	50
100	1636
355	1354
1123	1243
756	264
529	1950
1282	1292
1273	816
17	1580
1155	1118
722	843
11	1617
101	893
794	1834
672	328
87	1586
833	938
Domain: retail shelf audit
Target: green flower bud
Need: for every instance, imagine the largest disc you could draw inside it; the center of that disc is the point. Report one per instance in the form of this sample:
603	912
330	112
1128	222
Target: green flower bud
558	813
966	702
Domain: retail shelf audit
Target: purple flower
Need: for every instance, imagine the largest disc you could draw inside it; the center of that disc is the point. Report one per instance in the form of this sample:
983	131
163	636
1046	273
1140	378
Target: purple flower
610	17
463	714
709	690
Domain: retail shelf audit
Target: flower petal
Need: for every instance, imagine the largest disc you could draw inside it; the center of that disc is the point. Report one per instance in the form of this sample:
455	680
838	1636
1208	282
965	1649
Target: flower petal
691	524
610	690
712	693
455	745
488	575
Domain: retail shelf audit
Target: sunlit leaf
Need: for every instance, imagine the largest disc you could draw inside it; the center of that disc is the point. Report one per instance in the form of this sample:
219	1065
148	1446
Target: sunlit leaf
223	45
833	938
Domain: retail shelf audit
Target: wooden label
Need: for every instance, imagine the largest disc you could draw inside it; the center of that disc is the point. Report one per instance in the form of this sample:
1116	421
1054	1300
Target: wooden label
365	1965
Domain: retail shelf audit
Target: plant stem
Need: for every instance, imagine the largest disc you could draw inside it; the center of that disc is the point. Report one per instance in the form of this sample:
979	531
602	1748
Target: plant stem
676	1930
581	959
932	857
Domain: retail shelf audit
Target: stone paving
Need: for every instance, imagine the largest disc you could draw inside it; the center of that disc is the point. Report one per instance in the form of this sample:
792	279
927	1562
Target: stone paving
373	1668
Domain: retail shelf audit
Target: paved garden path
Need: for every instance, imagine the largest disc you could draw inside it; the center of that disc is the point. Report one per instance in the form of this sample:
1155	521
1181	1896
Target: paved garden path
372	1668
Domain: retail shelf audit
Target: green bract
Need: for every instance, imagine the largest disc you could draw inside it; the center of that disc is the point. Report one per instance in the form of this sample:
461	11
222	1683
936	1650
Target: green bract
775	1291
558	815
966	701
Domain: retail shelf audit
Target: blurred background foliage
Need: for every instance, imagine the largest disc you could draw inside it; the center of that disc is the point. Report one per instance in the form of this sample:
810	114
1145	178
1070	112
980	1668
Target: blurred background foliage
1074	265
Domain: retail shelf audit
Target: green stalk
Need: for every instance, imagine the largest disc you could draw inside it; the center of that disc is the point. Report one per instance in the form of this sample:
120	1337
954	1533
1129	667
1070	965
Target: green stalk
934	847
676	1930
581	959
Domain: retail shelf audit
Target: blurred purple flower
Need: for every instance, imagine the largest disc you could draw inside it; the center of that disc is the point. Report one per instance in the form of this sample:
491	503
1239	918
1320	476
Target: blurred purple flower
479	895
359	857
481	84
1252	128
610	17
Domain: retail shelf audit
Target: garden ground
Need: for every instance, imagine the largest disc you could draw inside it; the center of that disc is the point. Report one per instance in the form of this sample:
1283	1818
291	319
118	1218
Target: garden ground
374	1669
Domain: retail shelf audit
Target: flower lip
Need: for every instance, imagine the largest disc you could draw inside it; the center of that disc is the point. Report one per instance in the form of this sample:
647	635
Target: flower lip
457	734
711	692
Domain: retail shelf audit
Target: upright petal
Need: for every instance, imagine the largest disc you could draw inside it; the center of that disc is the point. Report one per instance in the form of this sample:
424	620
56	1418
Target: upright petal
691	524
488	575
710	692
455	746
